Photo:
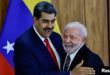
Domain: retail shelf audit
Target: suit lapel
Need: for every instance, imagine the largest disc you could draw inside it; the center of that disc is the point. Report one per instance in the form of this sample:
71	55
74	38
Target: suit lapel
81	55
55	43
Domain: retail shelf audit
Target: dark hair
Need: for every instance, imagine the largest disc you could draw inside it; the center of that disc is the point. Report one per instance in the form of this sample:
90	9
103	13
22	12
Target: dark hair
44	7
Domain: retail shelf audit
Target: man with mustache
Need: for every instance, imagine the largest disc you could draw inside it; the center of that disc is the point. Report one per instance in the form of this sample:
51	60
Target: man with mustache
74	36
38	50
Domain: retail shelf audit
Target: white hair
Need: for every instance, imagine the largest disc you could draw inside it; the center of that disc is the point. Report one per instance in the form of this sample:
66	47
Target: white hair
77	25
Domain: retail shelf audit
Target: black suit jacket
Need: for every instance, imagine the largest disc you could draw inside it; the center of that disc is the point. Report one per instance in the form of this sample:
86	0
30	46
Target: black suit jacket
90	60
31	57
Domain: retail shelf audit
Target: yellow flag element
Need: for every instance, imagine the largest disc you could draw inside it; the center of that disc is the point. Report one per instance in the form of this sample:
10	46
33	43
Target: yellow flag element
31	3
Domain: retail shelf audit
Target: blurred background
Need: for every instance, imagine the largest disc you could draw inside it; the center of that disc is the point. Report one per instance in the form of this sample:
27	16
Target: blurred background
95	14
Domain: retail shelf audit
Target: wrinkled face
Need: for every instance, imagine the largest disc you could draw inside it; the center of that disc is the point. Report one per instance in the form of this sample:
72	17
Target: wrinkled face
72	40
45	24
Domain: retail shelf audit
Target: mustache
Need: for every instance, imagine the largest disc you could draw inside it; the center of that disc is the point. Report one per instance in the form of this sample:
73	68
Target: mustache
69	45
49	29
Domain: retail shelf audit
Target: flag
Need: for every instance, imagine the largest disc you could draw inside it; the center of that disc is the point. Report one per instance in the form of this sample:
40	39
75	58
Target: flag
18	19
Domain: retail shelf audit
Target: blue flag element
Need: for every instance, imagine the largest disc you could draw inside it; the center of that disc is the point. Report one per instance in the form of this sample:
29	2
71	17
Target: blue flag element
17	21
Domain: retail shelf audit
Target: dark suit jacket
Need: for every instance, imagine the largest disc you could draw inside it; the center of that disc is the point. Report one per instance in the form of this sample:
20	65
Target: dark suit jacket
90	59
31	57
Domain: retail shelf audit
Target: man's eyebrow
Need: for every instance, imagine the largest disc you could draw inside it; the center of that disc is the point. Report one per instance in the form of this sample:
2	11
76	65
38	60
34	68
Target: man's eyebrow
45	20
48	20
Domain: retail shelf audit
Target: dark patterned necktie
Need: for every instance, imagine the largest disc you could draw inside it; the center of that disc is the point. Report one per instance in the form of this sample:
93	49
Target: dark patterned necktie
67	62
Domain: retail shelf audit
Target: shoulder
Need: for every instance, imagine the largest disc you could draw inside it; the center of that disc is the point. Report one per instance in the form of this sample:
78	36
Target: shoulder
55	35
93	55
25	36
94	61
90	56
94	58
23	41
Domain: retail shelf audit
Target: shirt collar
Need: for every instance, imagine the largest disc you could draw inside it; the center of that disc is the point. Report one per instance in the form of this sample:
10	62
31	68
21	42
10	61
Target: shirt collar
42	38
74	53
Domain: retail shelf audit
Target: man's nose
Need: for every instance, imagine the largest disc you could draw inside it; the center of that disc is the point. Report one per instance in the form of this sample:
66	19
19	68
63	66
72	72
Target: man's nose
67	40
49	24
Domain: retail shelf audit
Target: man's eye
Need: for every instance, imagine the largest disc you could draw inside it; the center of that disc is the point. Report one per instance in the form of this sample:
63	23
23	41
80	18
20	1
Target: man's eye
72	37
53	21
45	21
65	36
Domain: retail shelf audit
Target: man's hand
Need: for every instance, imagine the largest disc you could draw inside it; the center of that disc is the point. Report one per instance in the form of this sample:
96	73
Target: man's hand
78	70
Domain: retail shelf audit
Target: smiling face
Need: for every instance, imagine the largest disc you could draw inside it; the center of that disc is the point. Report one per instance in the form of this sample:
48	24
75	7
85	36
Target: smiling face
72	40
45	24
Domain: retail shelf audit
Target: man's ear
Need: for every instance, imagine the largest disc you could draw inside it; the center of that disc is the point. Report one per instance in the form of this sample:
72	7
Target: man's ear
83	40
35	20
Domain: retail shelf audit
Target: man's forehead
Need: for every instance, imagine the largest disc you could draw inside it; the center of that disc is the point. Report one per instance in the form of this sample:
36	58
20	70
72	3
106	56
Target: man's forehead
43	14
71	34
72	30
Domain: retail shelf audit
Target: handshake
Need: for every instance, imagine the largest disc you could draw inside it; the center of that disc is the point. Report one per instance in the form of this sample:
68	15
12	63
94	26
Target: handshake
79	70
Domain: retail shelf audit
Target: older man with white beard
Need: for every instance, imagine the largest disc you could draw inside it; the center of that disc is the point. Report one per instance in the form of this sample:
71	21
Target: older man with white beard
74	35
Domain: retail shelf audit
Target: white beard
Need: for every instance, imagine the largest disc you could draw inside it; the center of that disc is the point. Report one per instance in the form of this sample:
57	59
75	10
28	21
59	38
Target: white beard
71	49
